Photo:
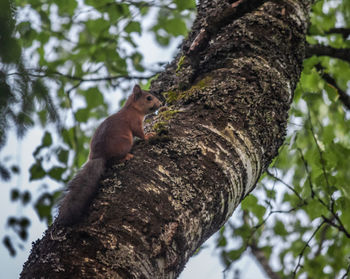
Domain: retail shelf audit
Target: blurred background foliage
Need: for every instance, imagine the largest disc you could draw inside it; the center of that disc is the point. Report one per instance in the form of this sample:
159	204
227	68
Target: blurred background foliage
59	62
296	224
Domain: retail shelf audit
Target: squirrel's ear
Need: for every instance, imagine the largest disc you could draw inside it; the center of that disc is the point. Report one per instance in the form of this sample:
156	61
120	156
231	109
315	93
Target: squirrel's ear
137	92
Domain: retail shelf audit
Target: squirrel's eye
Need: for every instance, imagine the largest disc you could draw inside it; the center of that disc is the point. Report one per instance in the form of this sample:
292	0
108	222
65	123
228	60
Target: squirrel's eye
149	98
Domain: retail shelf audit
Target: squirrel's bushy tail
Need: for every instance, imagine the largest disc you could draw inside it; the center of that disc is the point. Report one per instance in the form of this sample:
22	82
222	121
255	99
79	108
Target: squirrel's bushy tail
81	190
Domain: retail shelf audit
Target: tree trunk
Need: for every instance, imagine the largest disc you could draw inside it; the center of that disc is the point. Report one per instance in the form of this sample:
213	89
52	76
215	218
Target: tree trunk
228	93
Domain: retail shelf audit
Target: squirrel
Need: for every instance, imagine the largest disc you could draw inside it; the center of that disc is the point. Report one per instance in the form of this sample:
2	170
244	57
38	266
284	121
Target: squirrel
112	139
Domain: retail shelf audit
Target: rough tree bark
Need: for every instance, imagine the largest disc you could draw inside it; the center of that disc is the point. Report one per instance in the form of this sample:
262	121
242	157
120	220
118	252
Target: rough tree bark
228	93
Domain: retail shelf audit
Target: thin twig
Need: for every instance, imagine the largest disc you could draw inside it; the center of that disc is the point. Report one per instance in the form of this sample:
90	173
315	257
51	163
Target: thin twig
323	238
343	97
346	272
285	184
319	151
305	246
76	125
340	225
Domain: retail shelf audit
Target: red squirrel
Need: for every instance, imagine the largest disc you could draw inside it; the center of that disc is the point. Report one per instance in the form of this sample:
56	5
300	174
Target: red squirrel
112	139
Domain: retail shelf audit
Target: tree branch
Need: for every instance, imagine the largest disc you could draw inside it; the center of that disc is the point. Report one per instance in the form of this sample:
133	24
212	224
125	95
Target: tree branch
321	50
343	97
43	73
345	32
263	261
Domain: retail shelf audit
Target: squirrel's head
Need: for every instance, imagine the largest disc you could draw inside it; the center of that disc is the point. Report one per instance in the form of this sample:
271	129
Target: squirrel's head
143	101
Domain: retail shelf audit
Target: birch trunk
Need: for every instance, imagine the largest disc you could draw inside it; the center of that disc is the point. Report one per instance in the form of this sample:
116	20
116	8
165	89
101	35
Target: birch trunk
227	93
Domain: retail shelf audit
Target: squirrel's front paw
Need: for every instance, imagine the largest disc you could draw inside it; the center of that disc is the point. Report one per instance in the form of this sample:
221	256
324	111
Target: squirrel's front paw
127	157
150	135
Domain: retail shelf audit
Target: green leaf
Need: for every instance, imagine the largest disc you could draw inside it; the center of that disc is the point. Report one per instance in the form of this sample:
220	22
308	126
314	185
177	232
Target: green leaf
235	254
311	82
328	134
93	97
43	117
14	195
309	64
332	92
62	155
45	17
68	136
47	139
56	173
116	10
133	26
26	197
279	228
267	250
250	204
175	27
162	40
314	209
8	244
66	7
97	3
4	173
222	242
24	222
43	207
96	27
12	53
36	171
122	102
82	115
136	61
185	4
343	204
